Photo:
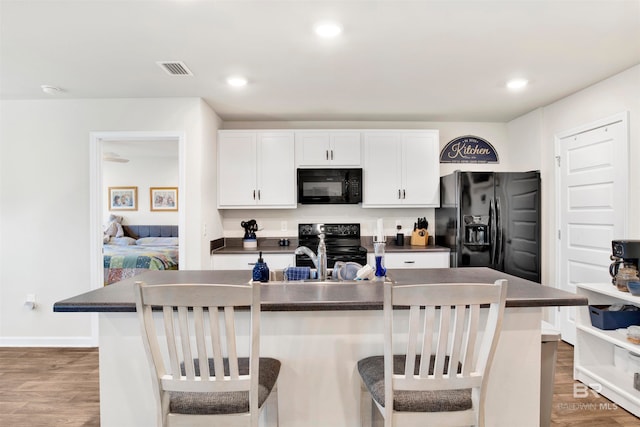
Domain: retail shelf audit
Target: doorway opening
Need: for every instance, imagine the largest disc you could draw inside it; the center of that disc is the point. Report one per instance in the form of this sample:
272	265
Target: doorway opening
140	162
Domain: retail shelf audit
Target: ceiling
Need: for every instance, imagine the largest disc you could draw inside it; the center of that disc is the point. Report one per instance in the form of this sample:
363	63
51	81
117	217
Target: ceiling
395	60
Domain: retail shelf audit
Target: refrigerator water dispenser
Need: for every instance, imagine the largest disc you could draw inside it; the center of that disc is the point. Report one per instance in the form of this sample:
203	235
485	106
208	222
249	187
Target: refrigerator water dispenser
476	230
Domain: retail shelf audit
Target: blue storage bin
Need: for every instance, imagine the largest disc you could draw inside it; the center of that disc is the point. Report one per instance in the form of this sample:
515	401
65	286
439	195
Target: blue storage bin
602	318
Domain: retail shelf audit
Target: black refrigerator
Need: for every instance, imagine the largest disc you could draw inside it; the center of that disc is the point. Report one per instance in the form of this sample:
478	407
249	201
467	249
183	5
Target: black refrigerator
491	219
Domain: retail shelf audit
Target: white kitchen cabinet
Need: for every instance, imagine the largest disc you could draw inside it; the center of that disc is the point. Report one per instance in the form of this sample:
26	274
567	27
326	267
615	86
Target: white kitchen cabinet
256	169
594	349
328	148
401	169
247	261
431	259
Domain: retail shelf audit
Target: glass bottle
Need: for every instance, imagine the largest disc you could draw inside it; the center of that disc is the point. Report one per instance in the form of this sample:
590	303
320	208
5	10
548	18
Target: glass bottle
381	271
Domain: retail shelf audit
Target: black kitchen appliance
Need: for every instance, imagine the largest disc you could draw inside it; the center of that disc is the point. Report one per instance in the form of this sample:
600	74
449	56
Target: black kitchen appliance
491	219
625	253
342	242
329	186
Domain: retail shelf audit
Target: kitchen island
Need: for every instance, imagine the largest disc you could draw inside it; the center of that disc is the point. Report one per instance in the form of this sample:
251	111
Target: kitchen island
319	332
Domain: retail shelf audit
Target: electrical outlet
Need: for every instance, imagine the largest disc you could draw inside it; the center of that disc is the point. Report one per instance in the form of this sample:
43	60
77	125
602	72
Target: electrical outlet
30	302
283	225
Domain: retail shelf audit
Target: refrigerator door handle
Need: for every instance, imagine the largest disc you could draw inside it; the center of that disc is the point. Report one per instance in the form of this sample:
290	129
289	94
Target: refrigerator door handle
492	227
499	236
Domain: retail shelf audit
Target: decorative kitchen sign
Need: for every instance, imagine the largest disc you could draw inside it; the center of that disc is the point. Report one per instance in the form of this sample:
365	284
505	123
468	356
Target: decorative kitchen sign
468	149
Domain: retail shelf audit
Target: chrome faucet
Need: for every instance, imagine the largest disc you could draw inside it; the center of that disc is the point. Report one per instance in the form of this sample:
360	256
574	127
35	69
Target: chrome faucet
308	252
319	260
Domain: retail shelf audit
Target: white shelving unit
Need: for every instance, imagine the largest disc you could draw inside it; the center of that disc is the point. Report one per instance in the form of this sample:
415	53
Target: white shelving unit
594	349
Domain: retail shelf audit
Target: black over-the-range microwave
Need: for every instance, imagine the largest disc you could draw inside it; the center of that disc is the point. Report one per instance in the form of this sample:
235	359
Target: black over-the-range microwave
329	186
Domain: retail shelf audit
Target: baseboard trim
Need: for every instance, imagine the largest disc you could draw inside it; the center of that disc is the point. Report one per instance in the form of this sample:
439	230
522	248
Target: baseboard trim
48	342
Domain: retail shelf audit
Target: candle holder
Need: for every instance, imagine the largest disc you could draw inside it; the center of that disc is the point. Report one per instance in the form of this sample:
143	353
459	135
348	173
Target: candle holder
381	271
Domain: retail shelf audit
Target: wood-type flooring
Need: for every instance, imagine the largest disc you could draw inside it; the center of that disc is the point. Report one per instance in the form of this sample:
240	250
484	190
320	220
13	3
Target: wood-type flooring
45	387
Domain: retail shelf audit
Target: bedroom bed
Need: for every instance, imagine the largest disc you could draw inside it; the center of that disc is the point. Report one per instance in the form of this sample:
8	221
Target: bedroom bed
142	248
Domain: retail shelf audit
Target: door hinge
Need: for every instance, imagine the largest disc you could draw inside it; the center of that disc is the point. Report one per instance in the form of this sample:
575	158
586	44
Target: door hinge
558	160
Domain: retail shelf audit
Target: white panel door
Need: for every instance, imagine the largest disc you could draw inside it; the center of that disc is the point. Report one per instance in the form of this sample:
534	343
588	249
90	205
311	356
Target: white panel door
592	208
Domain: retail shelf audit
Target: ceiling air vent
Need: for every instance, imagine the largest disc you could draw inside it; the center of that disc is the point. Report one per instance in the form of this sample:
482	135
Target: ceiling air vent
175	68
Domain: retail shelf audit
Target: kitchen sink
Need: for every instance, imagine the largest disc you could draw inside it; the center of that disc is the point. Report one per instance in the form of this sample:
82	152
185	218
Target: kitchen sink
276	277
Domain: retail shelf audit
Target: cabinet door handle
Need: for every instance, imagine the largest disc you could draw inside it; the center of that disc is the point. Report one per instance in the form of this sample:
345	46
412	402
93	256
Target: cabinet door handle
251	263
326	153
258	194
254	194
404	194
331	154
399	194
409	262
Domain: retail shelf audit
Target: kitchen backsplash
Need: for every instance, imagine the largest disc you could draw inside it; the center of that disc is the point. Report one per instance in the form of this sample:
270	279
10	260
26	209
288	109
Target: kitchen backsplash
272	221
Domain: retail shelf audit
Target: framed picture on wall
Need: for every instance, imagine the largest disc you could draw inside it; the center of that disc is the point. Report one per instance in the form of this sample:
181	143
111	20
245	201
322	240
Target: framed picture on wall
164	198
123	198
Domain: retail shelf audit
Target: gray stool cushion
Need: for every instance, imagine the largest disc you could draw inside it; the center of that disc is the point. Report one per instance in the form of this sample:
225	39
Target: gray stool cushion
234	402
372	372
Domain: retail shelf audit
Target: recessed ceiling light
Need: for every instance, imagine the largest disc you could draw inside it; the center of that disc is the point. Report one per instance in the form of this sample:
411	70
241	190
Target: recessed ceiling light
237	81
327	29
50	90
517	84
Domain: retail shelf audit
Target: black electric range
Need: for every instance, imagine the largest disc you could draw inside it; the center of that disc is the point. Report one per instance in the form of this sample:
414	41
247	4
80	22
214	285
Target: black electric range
342	242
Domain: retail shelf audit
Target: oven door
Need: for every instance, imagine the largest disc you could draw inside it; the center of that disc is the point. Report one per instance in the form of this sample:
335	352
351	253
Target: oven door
329	186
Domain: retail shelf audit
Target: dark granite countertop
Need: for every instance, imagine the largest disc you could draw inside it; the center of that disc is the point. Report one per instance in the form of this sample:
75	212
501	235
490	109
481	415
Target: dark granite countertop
296	296
233	246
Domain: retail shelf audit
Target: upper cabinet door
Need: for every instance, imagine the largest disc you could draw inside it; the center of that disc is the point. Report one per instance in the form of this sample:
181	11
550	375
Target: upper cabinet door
312	148
401	169
256	170
421	169
236	168
276	170
382	169
345	148
328	148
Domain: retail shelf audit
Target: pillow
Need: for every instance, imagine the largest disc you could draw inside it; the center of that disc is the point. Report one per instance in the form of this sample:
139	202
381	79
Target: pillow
122	241
157	241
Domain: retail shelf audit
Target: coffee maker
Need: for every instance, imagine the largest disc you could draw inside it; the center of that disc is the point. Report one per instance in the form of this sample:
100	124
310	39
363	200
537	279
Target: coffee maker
625	253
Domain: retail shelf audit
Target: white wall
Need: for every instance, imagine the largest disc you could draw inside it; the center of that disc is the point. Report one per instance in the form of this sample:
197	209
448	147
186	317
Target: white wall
269	221
525	136
44	202
534	133
142	172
